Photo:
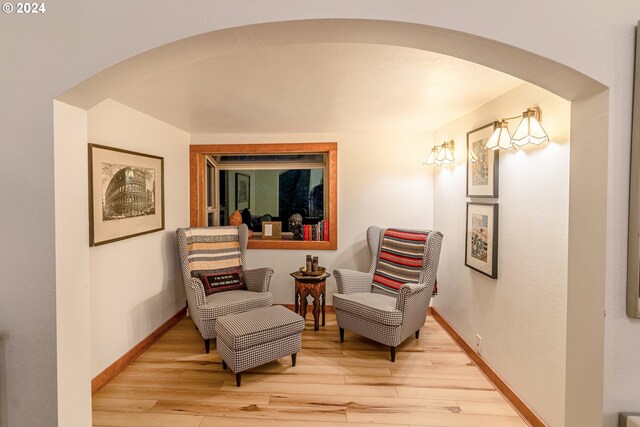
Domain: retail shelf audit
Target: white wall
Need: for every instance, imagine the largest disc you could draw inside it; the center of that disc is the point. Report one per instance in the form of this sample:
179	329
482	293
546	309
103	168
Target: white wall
521	316
381	181
72	264
585	297
136	284
114	295
74	40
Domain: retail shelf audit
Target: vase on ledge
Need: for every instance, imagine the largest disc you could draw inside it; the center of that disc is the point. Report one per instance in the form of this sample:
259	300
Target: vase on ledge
235	218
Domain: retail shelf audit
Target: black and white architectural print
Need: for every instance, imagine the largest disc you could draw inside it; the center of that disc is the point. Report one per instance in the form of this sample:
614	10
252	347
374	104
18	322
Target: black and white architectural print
126	195
127	191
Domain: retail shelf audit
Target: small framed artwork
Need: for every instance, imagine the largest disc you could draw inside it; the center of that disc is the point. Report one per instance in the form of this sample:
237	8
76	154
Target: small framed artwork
482	164
243	191
271	230
126	194
481	244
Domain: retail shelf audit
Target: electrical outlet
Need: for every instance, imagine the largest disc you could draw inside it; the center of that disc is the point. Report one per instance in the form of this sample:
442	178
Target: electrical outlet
478	344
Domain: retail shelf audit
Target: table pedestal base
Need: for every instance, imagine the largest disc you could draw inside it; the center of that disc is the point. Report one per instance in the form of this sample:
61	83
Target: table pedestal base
317	290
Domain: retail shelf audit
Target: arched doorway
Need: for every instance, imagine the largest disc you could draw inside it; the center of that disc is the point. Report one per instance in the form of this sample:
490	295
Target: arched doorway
585	290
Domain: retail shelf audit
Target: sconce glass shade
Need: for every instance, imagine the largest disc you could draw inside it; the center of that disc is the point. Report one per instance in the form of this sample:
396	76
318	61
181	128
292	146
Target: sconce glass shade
530	130
431	160
500	138
472	156
449	156
445	154
441	154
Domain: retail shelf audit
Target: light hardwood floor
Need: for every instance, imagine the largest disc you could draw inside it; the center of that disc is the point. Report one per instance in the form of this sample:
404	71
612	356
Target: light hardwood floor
432	383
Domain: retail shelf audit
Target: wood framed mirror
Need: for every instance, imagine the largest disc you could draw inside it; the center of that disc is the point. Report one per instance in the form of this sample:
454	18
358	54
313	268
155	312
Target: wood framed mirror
268	183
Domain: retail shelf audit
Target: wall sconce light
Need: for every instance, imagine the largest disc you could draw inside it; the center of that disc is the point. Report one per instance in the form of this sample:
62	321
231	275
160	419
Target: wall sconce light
529	131
441	154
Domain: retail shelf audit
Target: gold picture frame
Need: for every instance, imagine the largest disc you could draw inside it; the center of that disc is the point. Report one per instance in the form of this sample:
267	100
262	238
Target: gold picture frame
271	230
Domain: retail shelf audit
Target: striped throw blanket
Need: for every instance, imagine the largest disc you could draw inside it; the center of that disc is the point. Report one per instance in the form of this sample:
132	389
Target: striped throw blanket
213	249
400	260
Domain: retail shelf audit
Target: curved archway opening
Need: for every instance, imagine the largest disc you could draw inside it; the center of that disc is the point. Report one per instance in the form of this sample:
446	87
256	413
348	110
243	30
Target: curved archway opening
588	173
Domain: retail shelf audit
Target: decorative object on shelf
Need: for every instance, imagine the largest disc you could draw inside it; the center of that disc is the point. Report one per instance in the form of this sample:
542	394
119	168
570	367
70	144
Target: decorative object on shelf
308	263
271	230
235	218
442	154
529	131
482	164
243	191
316	232
318	272
314	264
126	194
481	244
295	226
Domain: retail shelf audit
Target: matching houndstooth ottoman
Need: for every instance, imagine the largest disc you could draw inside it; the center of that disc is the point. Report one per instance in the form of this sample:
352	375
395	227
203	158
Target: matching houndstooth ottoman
255	337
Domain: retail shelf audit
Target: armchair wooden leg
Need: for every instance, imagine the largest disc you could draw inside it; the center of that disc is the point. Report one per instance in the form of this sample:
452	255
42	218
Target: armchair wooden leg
238	379
224	365
341	335
293	359
207	345
393	354
418	334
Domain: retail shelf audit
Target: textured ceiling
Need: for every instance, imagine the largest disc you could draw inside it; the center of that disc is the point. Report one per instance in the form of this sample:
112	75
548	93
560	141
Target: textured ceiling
328	87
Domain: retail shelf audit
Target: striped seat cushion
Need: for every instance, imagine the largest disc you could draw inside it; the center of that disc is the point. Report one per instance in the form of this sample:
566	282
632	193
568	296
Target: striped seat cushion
213	255
400	259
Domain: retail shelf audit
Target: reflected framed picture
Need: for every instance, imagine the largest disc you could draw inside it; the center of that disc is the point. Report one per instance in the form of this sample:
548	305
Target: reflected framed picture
243	191
482	164
481	243
126	194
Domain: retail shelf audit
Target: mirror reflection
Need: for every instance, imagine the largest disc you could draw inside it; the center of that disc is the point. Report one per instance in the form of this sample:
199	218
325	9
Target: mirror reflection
254	189
272	195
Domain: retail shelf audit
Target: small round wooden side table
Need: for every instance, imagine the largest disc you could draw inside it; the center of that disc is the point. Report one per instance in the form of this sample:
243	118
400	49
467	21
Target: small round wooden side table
314	286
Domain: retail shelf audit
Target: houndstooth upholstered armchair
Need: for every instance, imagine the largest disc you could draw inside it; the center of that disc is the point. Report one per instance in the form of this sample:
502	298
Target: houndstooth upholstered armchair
389	302
215	279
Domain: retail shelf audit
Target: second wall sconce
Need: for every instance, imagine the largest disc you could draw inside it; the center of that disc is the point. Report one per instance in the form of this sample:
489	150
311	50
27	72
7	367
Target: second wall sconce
442	154
529	131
